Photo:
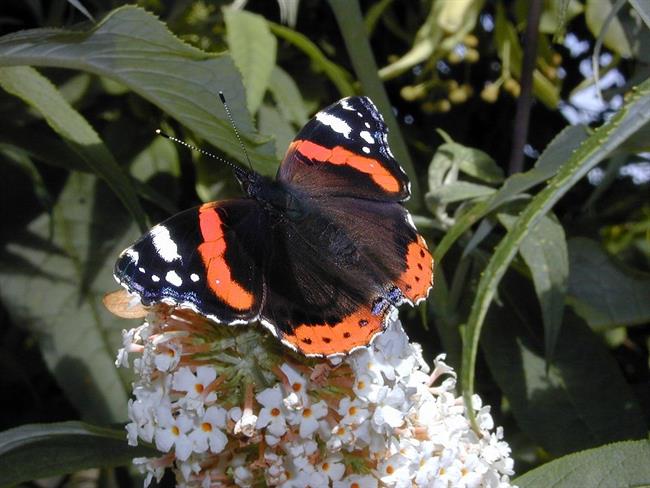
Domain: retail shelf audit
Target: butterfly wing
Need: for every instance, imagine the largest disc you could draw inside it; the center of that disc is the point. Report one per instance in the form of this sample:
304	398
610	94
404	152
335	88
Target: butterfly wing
208	259
344	151
335	277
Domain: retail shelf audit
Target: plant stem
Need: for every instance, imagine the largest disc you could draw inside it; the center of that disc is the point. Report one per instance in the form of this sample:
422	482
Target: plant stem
522	117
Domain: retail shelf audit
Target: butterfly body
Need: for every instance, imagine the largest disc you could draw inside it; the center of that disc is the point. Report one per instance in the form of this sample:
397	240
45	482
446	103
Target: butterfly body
321	255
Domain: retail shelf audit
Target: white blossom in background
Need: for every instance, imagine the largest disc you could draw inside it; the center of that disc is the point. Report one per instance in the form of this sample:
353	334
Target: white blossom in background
229	407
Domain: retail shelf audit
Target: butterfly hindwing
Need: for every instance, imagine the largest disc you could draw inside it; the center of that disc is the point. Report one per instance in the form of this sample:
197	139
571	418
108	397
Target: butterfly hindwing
344	150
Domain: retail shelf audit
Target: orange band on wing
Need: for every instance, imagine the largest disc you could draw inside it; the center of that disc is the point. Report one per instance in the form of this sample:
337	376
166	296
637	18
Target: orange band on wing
218	272
417	280
354	330
341	156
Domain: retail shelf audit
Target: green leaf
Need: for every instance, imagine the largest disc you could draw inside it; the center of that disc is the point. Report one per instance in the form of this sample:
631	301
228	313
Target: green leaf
36	90
556	153
272	122
134	48
472	162
643	9
582	400
54	286
615	37
601	292
37	451
253	48
287	98
457	191
592	151
545	252
618	465
337	75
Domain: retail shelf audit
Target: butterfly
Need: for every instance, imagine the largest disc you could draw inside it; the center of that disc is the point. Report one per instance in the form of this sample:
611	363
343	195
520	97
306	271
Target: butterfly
321	255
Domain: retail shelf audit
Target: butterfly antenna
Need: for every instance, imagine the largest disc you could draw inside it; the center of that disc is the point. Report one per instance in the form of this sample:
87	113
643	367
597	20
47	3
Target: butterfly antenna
232	122
238	170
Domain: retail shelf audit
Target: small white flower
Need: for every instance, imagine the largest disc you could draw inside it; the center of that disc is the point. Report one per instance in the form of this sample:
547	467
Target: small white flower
208	433
308	417
357	481
353	412
245	421
395	471
297	388
194	384
153	467
172	431
332	467
271	416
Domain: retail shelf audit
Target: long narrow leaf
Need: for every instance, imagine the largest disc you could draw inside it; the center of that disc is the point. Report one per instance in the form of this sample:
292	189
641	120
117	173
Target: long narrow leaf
593	150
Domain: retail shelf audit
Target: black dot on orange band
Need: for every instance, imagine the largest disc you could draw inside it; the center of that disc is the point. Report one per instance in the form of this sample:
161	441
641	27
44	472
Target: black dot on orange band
421	253
346	335
408	287
420	267
417	278
363	322
306	340
327	340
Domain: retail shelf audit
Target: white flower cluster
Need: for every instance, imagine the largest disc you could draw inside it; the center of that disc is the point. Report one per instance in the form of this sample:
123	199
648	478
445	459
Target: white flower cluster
378	418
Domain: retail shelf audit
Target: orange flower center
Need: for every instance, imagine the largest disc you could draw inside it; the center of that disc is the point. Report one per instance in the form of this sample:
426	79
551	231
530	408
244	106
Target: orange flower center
199	388
275	412
296	387
206	427
307	412
175	431
390	469
352	410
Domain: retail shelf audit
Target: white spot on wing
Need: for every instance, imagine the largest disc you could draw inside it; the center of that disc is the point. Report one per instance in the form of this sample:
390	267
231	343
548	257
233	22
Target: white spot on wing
367	125
173	278
194	277
365	150
141	270
365	135
132	253
155	278
337	125
345	105
164	244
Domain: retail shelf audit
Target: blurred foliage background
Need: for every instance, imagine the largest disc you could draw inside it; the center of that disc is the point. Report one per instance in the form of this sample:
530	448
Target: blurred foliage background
551	226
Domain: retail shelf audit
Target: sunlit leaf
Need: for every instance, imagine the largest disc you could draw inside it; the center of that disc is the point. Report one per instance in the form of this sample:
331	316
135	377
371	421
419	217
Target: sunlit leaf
136	49
545	252
253	48
593	150
287	97
618	465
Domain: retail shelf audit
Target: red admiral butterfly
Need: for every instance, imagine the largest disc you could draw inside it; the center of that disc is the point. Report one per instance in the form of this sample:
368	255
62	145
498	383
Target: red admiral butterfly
321	255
